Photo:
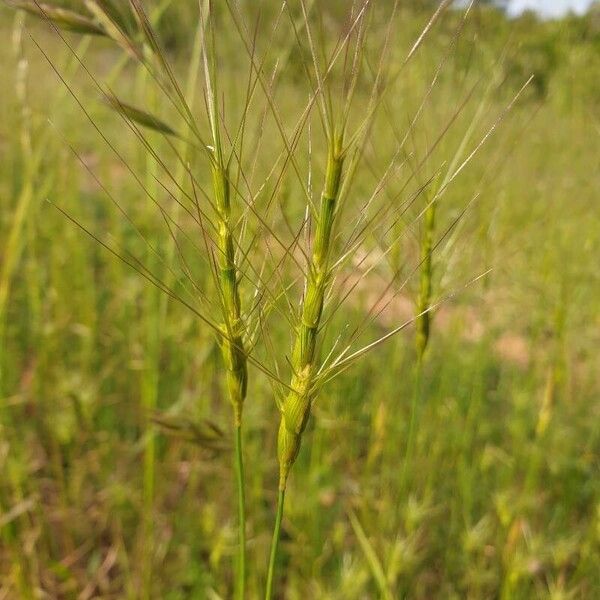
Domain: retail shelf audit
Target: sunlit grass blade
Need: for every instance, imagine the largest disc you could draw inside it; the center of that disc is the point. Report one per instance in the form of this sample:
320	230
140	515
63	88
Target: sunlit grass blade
371	557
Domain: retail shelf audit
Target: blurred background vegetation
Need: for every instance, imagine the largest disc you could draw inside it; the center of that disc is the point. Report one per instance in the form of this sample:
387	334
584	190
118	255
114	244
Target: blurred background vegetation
501	496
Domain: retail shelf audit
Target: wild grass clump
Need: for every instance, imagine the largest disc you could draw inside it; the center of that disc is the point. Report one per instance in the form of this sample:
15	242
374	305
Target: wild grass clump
281	200
130	28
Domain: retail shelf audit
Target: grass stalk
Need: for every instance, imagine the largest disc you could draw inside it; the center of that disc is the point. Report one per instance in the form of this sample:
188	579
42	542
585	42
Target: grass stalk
275	544
412	427
371	557
12	249
239	473
423	330
296	406
233	327
150	377
232	341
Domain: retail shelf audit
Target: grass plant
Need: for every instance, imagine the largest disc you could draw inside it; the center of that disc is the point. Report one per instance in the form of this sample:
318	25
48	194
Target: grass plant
281	189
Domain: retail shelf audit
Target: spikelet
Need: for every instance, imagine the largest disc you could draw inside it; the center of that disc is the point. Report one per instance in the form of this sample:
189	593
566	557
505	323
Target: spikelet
139	116
296	406
423	320
232	340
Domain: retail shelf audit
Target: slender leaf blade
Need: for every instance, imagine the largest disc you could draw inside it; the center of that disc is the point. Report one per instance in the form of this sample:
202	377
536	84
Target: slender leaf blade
141	117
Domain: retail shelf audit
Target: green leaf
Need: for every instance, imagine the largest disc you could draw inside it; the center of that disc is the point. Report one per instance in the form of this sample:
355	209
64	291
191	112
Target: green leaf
371	557
63	18
141	116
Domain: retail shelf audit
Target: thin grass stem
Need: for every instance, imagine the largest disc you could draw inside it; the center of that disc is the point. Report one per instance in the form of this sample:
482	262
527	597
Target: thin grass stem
412	427
239	472
275	545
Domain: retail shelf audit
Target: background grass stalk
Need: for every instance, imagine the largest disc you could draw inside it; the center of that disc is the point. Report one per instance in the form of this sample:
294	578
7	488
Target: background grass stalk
13	247
150	382
423	328
10	257
423	322
412	429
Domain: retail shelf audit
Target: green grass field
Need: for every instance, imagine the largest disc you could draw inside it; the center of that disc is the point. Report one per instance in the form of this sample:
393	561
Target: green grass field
474	475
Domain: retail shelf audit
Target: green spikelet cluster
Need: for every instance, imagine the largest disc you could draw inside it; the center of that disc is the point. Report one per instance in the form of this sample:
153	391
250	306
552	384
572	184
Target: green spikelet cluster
423	323
232	342
297	404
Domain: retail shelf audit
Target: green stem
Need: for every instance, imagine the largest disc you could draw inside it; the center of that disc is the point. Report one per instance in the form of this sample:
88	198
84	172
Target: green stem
275	545
412	426
239	471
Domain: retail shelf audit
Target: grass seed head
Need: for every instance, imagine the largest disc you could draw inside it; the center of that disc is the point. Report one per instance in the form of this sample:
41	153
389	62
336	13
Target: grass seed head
63	18
296	406
423	321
